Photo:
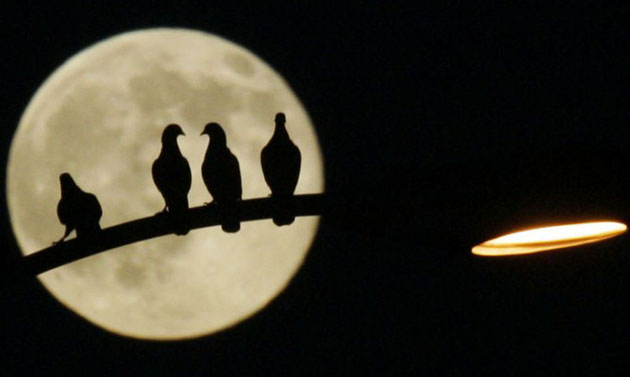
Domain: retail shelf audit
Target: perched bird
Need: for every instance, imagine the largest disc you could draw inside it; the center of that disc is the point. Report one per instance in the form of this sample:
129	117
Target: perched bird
171	174
280	160
222	175
77	210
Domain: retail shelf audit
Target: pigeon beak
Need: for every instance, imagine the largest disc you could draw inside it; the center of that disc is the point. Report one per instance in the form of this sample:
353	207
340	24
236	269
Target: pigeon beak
203	133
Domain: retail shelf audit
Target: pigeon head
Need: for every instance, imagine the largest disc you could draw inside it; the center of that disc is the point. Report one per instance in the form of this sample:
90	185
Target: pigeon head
216	133
171	132
280	118
280	130
67	183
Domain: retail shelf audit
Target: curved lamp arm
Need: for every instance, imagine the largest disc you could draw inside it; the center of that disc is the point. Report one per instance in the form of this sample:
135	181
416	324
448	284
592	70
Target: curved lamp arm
160	225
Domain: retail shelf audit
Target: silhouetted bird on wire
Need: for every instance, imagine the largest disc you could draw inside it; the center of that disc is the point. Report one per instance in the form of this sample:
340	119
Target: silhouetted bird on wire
77	210
280	160
222	175
171	174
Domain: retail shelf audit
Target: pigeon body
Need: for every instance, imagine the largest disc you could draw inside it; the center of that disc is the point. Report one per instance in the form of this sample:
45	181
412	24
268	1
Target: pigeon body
281	161
77	210
171	174
222	175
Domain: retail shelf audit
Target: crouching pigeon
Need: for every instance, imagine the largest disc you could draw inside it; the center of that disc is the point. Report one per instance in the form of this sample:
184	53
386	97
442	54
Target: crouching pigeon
77	210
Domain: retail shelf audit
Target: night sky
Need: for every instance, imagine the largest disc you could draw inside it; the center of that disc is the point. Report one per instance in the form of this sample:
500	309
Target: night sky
441	126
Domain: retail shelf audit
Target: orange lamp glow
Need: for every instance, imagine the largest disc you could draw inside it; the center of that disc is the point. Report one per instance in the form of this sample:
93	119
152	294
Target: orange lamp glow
548	238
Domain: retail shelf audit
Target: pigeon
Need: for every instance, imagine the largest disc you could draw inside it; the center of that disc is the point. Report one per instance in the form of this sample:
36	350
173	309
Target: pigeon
280	160
77	210
222	175
171	174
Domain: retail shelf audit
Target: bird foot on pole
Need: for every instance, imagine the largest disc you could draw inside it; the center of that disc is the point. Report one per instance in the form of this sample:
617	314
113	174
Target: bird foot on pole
60	241
162	212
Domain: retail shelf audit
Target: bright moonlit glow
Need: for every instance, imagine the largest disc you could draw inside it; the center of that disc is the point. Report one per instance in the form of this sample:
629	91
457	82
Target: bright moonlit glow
100	117
548	238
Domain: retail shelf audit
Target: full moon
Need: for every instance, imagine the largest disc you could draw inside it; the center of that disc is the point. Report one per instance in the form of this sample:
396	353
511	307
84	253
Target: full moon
99	117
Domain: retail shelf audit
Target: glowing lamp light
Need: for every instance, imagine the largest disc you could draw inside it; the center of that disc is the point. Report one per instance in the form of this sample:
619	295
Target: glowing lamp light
549	237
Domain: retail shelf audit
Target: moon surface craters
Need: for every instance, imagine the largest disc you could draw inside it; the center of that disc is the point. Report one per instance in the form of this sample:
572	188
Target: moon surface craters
99	117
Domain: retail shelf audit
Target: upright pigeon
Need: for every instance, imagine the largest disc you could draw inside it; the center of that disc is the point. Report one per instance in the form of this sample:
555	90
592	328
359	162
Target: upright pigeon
222	175
171	174
77	210
280	160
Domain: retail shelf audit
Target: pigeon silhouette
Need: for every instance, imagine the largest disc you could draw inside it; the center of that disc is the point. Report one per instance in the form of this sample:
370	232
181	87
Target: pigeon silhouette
77	210
280	160
222	175
171	174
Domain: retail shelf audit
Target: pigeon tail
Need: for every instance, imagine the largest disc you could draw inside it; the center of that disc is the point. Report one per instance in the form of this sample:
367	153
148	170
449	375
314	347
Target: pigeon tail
177	209
181	231
180	226
281	220
229	218
231	227
283	211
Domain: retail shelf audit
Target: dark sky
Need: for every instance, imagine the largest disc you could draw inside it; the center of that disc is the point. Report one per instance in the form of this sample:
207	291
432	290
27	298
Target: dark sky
441	126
